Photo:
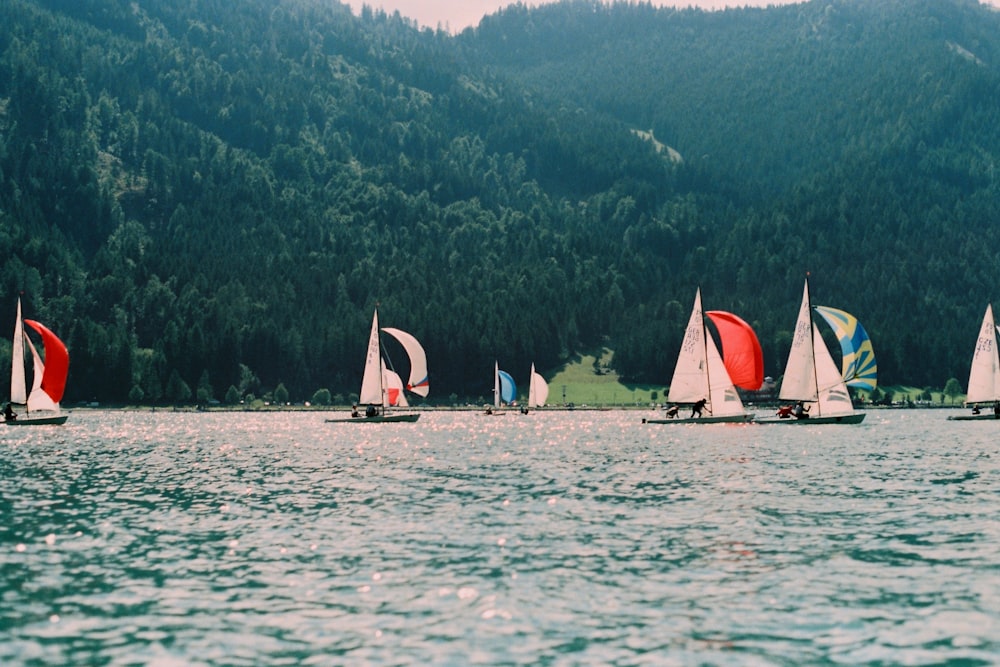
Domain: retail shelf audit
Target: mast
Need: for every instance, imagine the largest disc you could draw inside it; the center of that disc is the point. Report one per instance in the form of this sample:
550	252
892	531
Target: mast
381	362
812	346
704	345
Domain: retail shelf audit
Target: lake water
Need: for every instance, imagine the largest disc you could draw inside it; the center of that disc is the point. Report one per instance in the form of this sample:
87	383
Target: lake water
560	538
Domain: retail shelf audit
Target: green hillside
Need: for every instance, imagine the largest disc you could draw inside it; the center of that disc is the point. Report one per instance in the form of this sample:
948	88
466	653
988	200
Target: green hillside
588	379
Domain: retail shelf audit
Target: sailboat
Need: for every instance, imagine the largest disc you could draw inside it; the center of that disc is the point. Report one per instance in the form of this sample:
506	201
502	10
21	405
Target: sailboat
504	390
41	405
984	376
701	377
813	379
538	391
381	387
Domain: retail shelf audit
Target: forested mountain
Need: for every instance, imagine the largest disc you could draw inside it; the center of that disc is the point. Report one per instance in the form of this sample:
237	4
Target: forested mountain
857	140
209	194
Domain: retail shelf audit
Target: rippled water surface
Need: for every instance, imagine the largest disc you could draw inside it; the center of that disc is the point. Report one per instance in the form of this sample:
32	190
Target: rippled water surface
559	538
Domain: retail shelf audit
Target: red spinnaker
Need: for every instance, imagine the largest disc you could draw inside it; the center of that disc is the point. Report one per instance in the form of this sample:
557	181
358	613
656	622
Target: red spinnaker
56	362
393	393
741	351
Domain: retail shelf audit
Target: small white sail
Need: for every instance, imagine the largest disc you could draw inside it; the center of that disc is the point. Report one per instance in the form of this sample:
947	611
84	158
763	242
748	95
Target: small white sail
690	380
38	399
496	384
834	398
984	375
371	383
723	399
538	390
394	388
799	382
18	388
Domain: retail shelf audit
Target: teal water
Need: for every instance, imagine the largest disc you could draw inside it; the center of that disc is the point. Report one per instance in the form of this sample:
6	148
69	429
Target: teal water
563	538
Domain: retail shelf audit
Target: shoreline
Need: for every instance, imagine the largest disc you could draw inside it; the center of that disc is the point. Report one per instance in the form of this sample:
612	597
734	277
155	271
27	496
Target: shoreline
472	408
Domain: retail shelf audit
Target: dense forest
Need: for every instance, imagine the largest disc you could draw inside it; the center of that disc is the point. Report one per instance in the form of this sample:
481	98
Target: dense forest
208	199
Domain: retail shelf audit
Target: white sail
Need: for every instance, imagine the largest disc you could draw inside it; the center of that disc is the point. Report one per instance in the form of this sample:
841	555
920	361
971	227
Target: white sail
723	399
18	388
496	384
799	382
984	376
371	383
394	388
700	372
418	383
38	399
811	375
834	398
538	390
690	380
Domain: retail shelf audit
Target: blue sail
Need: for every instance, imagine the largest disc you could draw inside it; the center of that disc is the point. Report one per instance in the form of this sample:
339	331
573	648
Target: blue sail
507	389
859	367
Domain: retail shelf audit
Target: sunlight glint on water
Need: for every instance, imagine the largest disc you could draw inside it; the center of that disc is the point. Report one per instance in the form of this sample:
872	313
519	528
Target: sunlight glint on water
560	537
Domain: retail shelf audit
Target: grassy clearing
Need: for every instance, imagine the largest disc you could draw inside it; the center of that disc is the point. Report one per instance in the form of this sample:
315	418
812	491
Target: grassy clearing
582	382
905	394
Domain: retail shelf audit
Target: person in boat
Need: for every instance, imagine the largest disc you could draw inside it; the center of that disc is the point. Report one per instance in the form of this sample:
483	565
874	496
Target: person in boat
672	411
354	411
698	406
371	411
785	412
489	409
800	411
8	413
975	409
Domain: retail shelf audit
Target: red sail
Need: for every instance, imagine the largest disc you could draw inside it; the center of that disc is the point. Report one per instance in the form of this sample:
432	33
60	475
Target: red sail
740	350
56	362
393	395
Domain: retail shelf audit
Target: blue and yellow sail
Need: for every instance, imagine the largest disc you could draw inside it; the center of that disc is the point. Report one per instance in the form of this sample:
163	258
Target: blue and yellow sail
859	368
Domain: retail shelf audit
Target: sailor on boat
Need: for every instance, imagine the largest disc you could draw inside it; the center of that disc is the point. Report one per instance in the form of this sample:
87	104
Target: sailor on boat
8	413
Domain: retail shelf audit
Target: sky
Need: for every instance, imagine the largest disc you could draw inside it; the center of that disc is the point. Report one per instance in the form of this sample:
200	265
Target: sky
460	14
456	15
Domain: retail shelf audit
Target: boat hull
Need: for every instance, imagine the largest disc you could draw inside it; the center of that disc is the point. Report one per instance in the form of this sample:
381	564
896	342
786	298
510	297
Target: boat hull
38	421
856	418
973	418
730	419
379	419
